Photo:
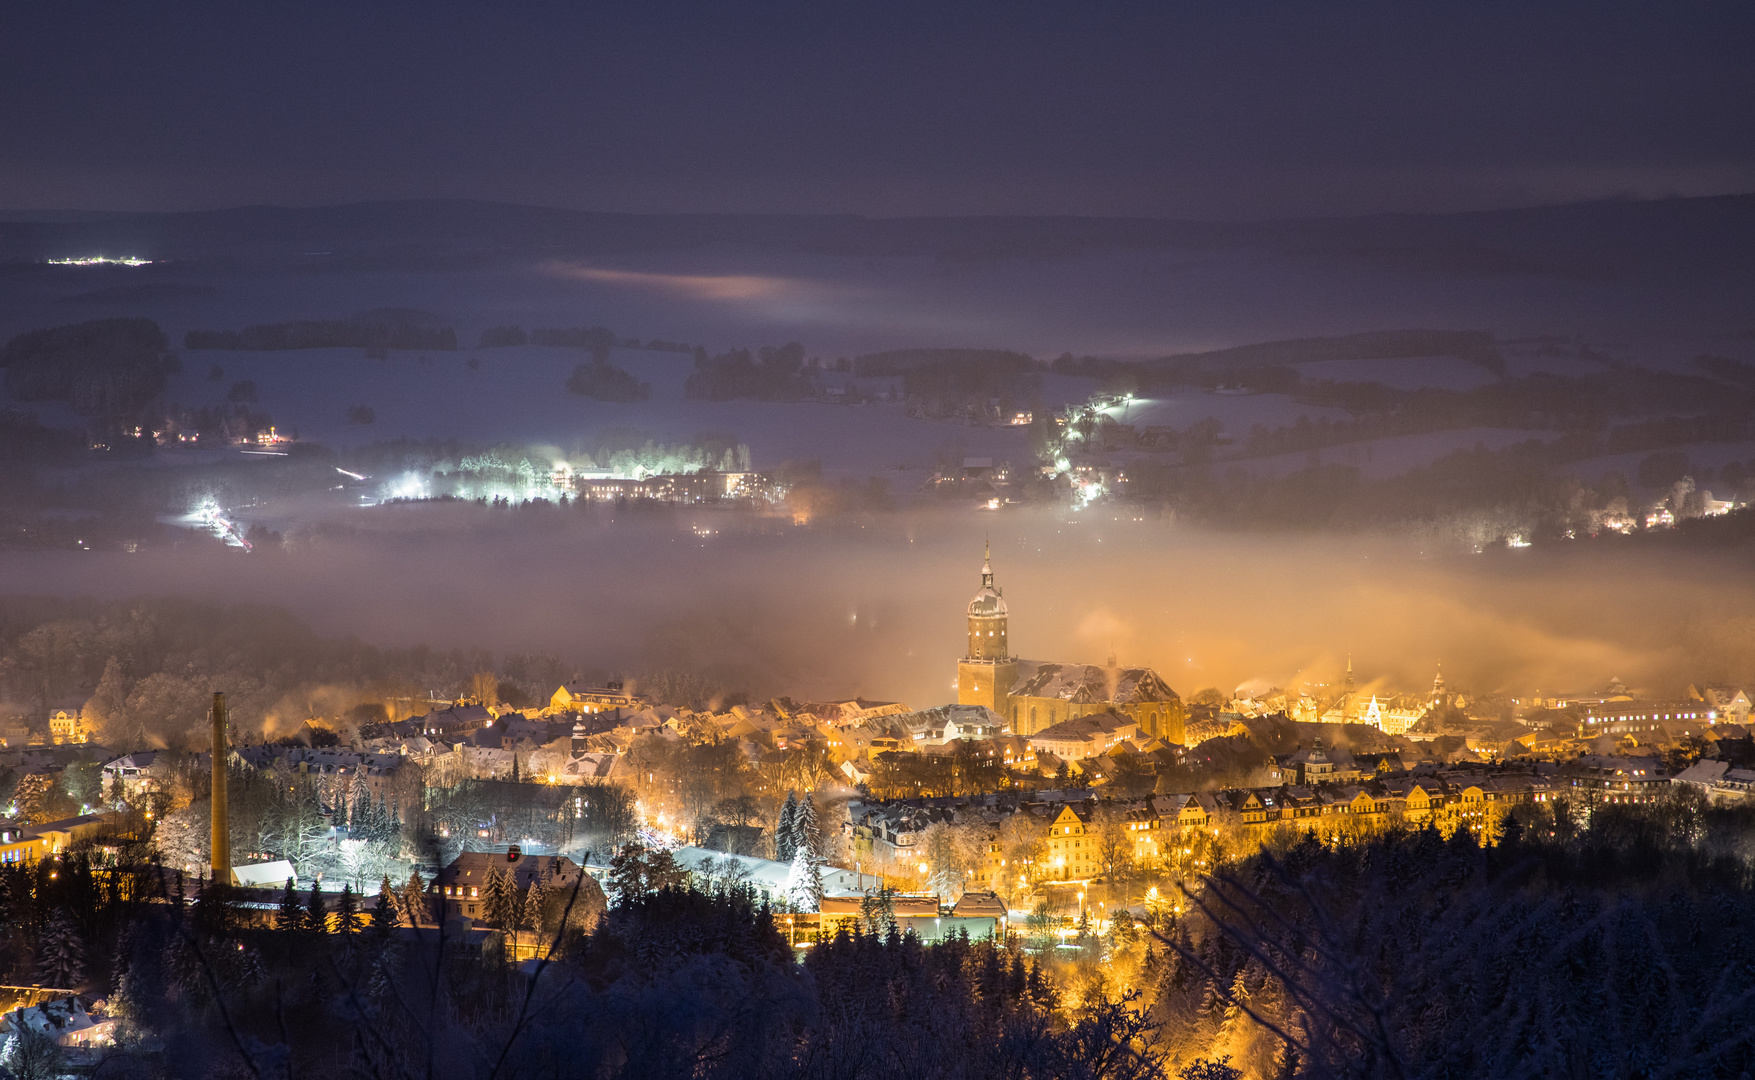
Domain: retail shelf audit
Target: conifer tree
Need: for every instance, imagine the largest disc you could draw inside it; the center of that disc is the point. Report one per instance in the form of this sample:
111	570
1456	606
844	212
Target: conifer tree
359	822
61	952
495	895
316	920
347	911
389	904
805	831
785	843
878	911
535	898
804	884
383	917
414	905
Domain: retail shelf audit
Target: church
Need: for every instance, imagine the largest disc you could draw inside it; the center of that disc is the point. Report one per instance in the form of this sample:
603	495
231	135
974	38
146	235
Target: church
1033	695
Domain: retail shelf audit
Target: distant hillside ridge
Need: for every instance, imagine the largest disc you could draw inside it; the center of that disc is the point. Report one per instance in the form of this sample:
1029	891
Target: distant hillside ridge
1586	241
1475	346
911	361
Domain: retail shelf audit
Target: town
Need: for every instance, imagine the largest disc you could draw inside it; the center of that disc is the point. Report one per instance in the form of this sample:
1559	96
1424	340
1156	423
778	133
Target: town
1055	809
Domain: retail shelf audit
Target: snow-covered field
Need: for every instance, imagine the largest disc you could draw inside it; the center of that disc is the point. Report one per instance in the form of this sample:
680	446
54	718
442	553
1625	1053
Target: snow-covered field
1237	414
1382	458
1402	373
519	396
1116	303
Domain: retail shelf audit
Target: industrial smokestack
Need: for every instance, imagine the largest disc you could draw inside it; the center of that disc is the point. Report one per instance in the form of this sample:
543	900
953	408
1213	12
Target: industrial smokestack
222	835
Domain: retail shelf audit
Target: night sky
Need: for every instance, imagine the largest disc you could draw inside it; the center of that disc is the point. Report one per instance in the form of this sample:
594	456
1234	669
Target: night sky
1213	110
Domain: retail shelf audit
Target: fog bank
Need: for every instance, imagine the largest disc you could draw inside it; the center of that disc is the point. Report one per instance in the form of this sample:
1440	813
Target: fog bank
876	609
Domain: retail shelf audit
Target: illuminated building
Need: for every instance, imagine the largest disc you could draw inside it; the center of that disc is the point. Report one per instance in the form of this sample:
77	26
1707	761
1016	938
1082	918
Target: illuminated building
68	726
583	698
1034	695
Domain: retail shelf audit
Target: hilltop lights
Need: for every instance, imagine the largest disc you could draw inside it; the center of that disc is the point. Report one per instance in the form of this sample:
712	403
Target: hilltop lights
101	260
409	485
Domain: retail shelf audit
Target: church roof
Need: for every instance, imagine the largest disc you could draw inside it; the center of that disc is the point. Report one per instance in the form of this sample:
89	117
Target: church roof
1088	684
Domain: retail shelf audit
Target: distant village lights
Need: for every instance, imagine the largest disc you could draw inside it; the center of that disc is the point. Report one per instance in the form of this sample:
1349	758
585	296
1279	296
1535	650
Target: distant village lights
101	260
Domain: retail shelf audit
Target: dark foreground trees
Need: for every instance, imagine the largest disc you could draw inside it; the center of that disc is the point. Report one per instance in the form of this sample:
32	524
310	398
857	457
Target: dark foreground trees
672	983
1618	950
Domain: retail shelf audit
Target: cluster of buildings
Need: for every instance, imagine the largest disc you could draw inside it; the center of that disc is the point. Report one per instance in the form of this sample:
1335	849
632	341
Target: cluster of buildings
1085	834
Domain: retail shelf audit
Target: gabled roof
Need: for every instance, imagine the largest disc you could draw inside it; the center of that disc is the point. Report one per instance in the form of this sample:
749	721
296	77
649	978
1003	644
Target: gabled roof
471	868
980	905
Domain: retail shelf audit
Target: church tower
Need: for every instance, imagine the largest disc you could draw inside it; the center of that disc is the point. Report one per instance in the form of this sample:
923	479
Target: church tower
1347	693
987	671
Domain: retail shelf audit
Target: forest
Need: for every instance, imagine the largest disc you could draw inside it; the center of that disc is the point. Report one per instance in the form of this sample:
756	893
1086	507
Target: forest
144	669
109	368
771	373
605	382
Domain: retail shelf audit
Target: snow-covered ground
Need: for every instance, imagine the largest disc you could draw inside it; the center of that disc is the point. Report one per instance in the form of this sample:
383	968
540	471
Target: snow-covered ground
1237	414
519	396
1128	304
1382	458
1402	373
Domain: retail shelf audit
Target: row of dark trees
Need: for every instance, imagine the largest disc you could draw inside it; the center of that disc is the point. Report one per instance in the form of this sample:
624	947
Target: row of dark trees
603	381
771	373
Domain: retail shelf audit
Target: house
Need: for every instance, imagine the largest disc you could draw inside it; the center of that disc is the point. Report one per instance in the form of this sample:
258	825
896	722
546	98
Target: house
266	875
582	697
68	726
70	1021
131	770
1717	780
20	843
944	724
840	912
982	905
454	722
839	714
1081	737
1314	765
1604	779
1071	852
461	885
57	835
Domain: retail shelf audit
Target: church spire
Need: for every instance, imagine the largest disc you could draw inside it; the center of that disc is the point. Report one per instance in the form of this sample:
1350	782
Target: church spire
986	565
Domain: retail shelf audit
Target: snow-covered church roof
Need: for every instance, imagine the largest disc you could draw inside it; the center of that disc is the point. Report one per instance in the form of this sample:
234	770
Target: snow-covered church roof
1088	684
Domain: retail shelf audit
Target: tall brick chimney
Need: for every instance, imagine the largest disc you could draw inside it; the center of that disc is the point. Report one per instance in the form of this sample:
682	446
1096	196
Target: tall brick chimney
222	832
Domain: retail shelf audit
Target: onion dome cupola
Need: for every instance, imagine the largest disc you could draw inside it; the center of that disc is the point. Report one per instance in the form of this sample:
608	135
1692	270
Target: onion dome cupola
987	618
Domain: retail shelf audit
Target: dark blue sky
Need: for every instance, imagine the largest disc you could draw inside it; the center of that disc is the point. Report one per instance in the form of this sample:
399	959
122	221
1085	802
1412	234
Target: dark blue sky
1210	110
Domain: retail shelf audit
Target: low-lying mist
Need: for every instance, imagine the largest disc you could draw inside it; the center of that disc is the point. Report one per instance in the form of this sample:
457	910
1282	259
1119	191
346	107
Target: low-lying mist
876	609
